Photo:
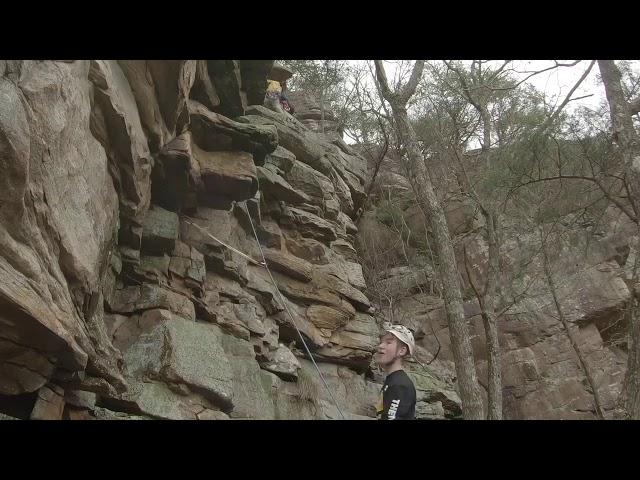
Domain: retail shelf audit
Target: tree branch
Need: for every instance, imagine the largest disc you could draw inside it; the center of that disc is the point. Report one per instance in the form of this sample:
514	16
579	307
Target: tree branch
381	75
537	72
378	163
409	89
612	199
466	268
555	114
634	106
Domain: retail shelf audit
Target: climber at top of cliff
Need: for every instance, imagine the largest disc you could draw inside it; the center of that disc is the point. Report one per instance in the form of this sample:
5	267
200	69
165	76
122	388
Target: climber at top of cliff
276	98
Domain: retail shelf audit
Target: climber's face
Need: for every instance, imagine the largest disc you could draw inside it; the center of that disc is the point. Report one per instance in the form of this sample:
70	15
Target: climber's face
389	349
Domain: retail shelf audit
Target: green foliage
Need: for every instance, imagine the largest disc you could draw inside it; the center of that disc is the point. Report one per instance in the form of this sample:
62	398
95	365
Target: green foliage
326	80
318	76
389	213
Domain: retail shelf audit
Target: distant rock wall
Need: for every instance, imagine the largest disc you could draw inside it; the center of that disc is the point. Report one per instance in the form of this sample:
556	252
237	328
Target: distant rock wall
541	374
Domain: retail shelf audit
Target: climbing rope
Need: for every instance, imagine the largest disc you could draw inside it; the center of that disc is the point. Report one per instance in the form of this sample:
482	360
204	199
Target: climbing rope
286	307
255	262
282	300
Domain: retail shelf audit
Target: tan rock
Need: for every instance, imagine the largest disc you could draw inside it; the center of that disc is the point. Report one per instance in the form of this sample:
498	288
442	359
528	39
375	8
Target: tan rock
49	404
288	265
323	316
228	173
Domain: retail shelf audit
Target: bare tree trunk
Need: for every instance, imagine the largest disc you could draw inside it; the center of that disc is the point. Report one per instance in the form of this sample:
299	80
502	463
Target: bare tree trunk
486	123
488	303
583	362
322	110
625	135
487	298
632	378
378	164
432	210
631	381
490	322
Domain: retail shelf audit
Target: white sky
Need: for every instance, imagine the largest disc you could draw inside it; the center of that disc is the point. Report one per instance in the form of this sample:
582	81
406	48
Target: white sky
555	84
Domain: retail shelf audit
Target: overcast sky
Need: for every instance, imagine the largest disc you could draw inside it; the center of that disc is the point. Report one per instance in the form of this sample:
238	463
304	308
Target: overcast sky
555	84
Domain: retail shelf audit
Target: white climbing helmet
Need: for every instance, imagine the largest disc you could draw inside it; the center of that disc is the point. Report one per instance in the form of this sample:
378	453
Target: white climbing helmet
403	334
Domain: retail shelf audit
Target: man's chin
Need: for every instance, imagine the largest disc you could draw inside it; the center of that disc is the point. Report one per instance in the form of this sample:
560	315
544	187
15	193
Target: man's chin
381	363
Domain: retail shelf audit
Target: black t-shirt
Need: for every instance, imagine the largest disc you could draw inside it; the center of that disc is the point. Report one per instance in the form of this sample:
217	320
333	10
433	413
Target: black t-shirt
397	398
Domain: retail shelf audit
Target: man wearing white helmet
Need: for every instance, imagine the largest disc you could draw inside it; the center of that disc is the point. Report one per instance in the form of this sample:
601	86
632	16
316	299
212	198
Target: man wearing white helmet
398	394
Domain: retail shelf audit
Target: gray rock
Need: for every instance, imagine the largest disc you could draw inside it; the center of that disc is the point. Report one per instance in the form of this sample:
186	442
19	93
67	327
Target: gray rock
128	329
431	389
146	297
283	363
203	89
402	280
106	414
349	272
310	181
309	224
291	135
353	393
78	398
185	353
323	316
281	158
228	173
429	411
344	248
160	230
45	127
345	190
156	400
254	73
49	404
288	265
308	249
269	234
353	295
354	343
141	78
212	131
156	267
279	188
314	337
189	264
225	76
116	124
212	415
250	399
225	315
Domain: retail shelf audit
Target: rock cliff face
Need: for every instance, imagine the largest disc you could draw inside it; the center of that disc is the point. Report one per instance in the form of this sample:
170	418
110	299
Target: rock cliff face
541	374
124	185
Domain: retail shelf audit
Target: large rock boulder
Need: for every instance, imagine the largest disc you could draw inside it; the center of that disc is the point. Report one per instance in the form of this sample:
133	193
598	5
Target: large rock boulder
55	239
120	298
213	132
228	173
147	296
160	230
183	354
277	187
